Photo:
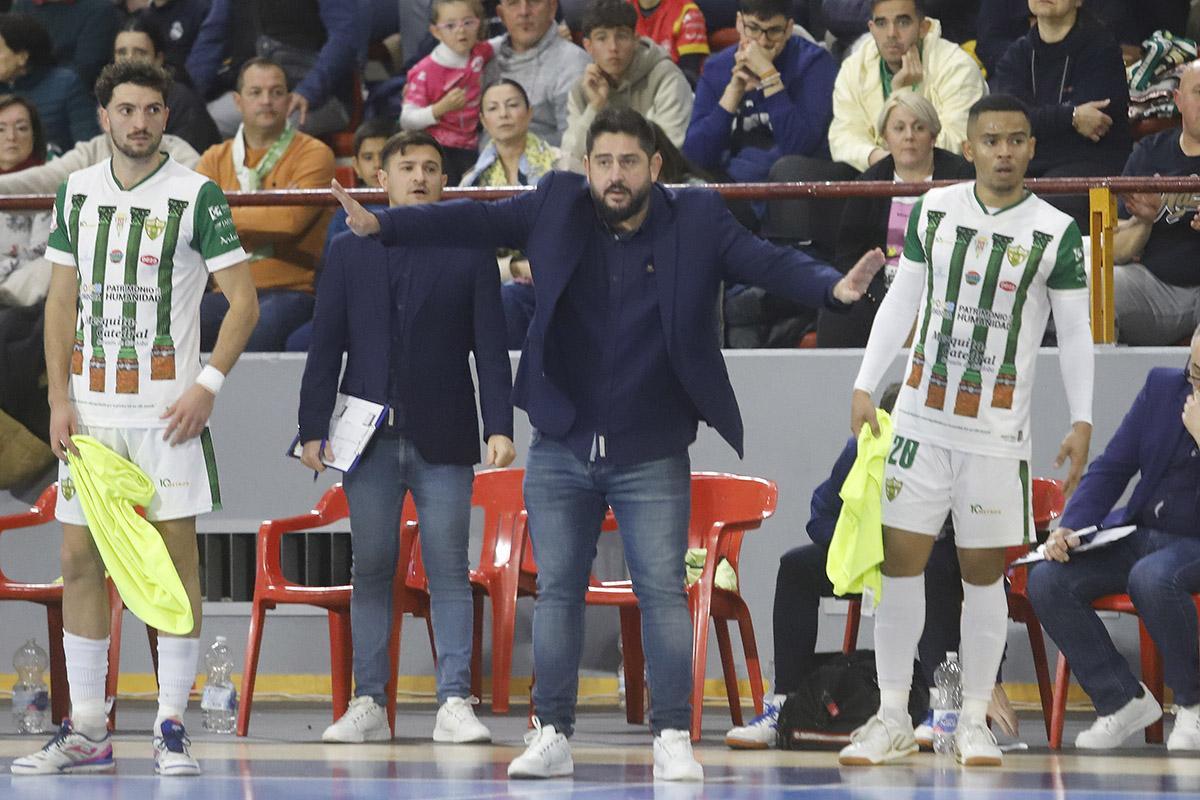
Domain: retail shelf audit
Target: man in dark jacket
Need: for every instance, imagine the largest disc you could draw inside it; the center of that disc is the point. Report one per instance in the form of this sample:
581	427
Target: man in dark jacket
408	318
1158	565
1068	70
621	363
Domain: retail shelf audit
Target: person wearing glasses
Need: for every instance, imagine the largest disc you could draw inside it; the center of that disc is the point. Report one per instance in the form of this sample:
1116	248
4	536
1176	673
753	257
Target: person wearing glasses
1158	565
768	96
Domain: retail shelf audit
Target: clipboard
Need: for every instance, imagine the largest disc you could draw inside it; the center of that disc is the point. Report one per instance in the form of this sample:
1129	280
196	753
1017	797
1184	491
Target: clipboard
351	426
1090	538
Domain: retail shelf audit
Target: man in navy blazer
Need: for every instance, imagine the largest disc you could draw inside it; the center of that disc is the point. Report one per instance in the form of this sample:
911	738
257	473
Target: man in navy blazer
621	362
1158	565
408	318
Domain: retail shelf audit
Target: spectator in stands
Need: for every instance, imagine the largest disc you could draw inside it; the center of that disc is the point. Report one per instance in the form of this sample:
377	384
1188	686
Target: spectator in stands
513	157
24	273
82	32
678	27
1157	565
443	89
626	72
188	118
1156	284
905	52
409	318
369	140
1068	69
27	68
768	96
316	43
284	242
535	56
910	126
177	22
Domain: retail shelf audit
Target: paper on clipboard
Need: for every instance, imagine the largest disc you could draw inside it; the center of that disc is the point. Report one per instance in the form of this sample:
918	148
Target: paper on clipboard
351	426
1089	539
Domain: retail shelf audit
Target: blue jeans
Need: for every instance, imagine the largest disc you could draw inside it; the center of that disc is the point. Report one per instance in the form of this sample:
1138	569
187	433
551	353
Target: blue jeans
1159	572
280	311
375	490
567	499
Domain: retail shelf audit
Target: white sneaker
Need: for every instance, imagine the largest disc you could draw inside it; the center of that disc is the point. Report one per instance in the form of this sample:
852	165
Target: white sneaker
68	752
364	721
171	756
1112	730
878	742
975	745
547	755
673	758
456	722
1186	733
923	733
762	732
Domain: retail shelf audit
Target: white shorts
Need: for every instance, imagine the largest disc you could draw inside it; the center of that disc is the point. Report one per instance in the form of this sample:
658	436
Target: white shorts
185	476
988	496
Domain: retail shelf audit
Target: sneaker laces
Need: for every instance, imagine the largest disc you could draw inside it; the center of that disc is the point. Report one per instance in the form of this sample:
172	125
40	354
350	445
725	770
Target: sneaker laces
359	708
64	730
769	716
174	737
461	711
535	736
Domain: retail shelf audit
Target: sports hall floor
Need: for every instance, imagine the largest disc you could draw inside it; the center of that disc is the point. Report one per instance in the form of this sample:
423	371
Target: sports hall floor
282	760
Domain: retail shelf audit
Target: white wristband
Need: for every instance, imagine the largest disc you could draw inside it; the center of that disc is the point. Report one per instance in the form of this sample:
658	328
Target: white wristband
211	378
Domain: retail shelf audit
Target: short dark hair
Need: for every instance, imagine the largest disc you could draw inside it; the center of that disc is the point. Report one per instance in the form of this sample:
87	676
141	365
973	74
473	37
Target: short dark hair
507	82
623	120
138	24
35	122
918	6
23	33
406	139
139	73
608	14
258	61
375	128
766	9
995	103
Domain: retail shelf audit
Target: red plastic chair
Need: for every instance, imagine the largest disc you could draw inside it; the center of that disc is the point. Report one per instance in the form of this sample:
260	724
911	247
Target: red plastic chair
272	588
724	508
50	596
1048	502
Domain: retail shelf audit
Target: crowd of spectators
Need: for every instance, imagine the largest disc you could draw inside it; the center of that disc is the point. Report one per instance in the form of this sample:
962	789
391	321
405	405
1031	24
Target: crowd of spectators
269	94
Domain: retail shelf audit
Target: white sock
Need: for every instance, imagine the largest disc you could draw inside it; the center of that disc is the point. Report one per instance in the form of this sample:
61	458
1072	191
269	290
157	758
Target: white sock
984	634
177	659
87	673
898	625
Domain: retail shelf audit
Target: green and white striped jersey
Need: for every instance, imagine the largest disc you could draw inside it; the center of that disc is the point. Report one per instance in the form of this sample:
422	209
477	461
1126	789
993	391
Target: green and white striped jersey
987	282
142	257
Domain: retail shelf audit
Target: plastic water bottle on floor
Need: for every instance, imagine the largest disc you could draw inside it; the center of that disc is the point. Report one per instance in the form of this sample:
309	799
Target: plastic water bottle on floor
219	701
31	700
948	704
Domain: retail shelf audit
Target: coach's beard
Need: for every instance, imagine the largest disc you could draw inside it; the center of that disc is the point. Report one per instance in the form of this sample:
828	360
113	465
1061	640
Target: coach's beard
615	216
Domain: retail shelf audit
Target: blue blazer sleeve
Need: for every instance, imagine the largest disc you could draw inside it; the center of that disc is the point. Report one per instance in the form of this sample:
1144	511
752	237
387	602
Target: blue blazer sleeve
466	223
826	503
204	60
780	270
337	57
492	365
1105	480
319	385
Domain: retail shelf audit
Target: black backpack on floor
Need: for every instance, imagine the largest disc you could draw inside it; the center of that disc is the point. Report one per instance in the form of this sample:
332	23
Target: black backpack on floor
836	697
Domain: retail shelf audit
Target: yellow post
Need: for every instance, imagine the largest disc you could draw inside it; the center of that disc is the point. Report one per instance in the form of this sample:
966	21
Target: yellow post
1103	224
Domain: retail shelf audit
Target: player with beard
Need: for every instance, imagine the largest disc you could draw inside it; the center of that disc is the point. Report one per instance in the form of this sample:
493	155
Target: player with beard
133	241
621	363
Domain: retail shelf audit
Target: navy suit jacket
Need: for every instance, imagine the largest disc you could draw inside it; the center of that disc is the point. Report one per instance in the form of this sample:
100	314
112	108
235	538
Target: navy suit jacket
455	310
1145	443
697	245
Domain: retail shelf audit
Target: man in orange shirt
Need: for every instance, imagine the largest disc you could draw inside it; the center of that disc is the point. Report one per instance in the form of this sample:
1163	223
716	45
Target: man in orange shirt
678	27
284	242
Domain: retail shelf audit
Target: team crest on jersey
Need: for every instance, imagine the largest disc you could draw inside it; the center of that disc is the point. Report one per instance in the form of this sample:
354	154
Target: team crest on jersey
1017	254
154	227
68	487
892	488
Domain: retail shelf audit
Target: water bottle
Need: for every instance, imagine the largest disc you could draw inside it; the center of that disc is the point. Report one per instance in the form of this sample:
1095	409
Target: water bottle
219	701
31	700
948	703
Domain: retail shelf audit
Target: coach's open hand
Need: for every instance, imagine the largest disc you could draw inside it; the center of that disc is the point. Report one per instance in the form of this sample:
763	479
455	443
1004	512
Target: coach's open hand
359	220
852	287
